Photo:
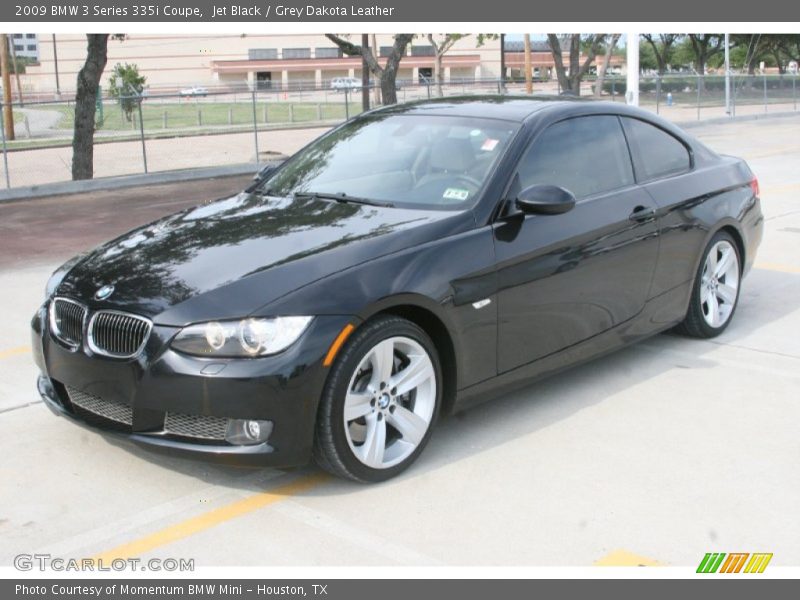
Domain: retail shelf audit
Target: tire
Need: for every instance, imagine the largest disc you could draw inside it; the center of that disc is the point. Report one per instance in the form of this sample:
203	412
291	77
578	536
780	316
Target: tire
390	417
714	296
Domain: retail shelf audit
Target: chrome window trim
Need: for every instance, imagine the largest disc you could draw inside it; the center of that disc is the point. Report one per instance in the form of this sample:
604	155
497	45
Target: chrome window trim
96	350
56	332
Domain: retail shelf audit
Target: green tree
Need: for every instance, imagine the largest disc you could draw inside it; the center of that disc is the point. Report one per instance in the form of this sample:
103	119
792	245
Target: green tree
126	85
659	48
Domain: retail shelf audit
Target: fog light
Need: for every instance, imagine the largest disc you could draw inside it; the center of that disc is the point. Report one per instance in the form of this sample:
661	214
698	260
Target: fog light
245	431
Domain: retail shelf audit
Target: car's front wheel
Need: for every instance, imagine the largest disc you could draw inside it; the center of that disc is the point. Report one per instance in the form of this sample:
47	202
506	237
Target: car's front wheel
716	289
380	402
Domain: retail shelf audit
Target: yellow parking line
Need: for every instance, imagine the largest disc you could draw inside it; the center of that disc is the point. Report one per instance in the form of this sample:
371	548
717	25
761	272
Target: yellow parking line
623	558
777	267
14	351
212	518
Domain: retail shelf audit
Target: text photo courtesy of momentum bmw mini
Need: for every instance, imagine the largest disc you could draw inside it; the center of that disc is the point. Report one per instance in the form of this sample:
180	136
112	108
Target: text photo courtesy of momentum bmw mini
413	261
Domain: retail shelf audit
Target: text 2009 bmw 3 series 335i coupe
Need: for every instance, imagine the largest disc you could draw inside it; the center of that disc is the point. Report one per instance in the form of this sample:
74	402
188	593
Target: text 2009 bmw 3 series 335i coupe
412	261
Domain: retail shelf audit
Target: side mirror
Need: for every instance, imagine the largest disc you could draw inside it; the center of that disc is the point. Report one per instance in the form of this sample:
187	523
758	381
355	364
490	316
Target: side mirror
545	200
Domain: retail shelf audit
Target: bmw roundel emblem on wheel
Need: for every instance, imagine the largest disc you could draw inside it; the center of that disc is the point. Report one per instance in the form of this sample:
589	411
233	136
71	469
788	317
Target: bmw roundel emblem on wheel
411	262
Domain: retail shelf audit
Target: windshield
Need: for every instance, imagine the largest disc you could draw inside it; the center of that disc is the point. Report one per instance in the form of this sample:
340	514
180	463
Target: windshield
436	162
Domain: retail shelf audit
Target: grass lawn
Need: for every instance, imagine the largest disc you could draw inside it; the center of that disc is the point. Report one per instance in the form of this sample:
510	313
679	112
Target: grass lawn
191	114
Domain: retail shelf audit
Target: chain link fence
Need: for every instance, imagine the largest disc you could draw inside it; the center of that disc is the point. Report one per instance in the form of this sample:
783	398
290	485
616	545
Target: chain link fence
211	128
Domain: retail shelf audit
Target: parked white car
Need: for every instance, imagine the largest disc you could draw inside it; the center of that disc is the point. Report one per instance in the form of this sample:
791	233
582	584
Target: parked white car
345	83
194	90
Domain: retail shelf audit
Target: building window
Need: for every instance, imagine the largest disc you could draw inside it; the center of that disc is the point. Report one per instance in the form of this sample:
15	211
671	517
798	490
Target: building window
17	36
289	53
31	48
262	53
328	52
30	36
19	47
422	51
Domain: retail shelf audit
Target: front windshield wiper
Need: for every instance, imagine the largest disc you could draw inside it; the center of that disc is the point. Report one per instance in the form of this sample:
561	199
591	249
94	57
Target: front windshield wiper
343	198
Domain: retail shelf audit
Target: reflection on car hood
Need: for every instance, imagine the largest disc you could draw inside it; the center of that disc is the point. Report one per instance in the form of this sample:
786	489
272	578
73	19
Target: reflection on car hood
227	258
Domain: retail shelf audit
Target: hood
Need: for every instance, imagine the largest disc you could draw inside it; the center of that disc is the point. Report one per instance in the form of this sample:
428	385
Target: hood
227	258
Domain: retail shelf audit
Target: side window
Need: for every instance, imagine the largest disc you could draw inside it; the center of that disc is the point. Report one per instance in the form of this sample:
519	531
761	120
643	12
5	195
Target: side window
585	155
655	152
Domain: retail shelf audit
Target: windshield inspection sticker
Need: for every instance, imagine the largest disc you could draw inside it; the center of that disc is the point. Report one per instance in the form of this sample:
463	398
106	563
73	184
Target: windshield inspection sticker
489	144
455	194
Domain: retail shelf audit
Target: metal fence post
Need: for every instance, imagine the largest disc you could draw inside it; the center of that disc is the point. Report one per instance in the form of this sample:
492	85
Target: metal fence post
346	106
5	149
698	97
794	90
255	122
658	93
765	92
141	134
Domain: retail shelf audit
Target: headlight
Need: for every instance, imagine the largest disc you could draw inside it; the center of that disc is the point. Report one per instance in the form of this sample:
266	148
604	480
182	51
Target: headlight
245	338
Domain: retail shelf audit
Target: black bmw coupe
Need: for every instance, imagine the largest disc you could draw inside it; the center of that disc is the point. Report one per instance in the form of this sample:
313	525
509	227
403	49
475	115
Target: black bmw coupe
410	262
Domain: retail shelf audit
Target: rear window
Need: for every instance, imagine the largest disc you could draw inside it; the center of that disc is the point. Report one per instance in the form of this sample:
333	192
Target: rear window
656	153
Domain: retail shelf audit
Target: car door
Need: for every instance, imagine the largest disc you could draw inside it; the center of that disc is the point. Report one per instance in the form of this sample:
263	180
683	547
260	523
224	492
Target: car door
567	277
662	164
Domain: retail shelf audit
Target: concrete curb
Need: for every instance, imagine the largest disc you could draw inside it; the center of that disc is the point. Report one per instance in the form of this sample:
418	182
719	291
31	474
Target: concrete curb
125	181
741	119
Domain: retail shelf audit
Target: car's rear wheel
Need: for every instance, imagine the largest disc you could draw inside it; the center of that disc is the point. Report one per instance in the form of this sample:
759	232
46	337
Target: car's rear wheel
716	289
380	402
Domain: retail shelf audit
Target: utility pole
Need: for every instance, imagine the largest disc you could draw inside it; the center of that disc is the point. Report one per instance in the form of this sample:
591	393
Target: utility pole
16	71
55	62
502	62
632	93
364	73
8	115
727	74
528	70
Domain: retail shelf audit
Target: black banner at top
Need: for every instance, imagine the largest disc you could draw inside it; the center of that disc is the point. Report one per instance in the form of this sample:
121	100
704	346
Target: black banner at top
441	11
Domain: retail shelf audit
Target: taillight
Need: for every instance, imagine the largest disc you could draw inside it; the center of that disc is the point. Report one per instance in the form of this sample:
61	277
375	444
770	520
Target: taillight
754	187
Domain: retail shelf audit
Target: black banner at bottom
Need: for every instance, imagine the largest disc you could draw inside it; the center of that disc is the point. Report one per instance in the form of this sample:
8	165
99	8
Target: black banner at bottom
392	589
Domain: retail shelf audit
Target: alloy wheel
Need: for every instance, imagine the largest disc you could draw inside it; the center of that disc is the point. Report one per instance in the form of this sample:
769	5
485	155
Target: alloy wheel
390	402
719	284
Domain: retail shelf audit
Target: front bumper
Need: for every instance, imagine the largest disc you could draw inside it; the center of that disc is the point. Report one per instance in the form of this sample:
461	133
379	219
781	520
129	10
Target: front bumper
283	389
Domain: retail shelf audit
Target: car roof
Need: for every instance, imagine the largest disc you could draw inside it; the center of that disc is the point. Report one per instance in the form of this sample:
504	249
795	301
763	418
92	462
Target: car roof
509	107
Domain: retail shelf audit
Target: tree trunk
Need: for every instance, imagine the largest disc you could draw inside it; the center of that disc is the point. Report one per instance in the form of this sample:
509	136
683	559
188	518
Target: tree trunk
387	74
85	101
376	93
438	74
574	64
558	61
603	66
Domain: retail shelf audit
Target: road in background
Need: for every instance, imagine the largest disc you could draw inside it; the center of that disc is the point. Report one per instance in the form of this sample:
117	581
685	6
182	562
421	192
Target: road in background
658	453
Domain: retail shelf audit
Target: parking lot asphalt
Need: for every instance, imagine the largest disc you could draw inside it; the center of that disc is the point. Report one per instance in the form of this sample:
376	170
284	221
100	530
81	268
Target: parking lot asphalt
656	454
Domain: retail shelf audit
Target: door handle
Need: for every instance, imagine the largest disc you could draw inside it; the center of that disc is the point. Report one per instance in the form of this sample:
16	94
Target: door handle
642	213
